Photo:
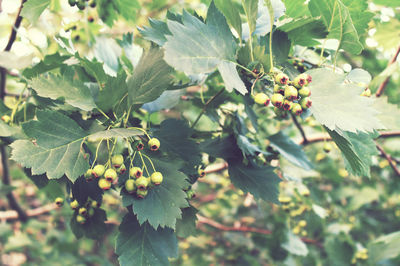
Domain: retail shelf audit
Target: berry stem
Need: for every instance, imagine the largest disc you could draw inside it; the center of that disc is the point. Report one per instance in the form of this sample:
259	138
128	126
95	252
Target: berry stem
300	128
97	153
132	158
271	20
151	162
141	129
144	165
205	107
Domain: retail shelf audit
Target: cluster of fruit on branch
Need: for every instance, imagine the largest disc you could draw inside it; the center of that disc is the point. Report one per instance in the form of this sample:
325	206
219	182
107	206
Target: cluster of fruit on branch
81	4
288	95
82	211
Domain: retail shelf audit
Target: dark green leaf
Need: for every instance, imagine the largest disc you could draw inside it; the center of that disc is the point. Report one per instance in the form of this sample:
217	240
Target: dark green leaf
93	228
48	63
296	8
304	31
231	13
186	226
114	91
221	147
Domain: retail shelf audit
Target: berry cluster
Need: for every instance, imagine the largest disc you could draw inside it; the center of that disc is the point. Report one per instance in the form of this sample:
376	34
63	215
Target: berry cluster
85	211
361	255
81	4
288	95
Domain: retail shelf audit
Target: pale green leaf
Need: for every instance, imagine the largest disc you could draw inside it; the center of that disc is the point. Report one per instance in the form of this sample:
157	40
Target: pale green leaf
10	60
251	9
389	114
231	13
294	245
32	9
384	248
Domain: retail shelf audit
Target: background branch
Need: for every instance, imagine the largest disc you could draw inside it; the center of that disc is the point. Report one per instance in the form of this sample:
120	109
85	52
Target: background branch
389	158
300	128
382	87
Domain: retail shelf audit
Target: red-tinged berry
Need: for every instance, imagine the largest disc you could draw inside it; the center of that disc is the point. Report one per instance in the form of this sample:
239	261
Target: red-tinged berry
141	193
89	175
287	105
59	202
300	81
135	172
154	144
104	184
6	119
156	178
142	183
80	219
308	78
261	99
366	93
82	211
296	109
90	19
281	78
305	103
139	145
98	170
130	186
122	169
304	92
74	204
201	172
291	93
117	160
277	100
279	89
327	147
110	175
95	204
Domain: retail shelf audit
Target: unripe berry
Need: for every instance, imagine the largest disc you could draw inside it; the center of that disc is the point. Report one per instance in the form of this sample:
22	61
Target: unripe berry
308	78
281	78
290	93
98	170
90	212
89	175
110	175
190	194
296	109
201	172
302	223
104	184
95	204
135	172
300	81
117	160
122	169
142	183
130	186
327	147
6	119
279	89
156	178
139	145
154	144
71	2
261	99
74	204
81	4
92	3
82	211
287	105
304	92
305	103
366	93
141	193
80	219
59	202
277	100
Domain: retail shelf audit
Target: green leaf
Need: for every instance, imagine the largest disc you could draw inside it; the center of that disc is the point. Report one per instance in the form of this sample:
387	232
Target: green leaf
389	114
163	203
364	196
337	19
261	182
129	8
251	9
221	147
339	105
143	245
115	133
186	226
94	68
8	131
304	31
155	32
197	48
74	92
49	62
290	150
231	12
32	9
294	245
296	8
339	250
387	34
112	94
167	100
93	228
388	3
150	78
384	248
357	150
280	46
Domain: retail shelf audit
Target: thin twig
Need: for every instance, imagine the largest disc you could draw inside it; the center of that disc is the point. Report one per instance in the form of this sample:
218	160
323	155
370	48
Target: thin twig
389	158
214	168
208	221
300	128
206	105
382	87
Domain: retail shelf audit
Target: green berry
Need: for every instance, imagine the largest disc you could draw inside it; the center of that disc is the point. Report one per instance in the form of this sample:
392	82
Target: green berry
279	89
296	109
327	147
117	160
59	201
92	3
190	194
122	169
91	212
98	170
89	174
154	144
304	92
141	193
277	100
142	183
80	219
300	81
135	172
305	103
130	186
110	175
201	172
72	2
156	178
290	93
81	4
74	204
95	204
281	78
104	184
287	105
82	211
261	99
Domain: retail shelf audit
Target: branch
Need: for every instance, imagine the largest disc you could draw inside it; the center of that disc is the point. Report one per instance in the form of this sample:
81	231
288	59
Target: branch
300	128
216	168
389	158
208	221
382	87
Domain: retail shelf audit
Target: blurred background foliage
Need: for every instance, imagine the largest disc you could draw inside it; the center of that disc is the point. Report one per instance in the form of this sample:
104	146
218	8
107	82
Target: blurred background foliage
339	216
